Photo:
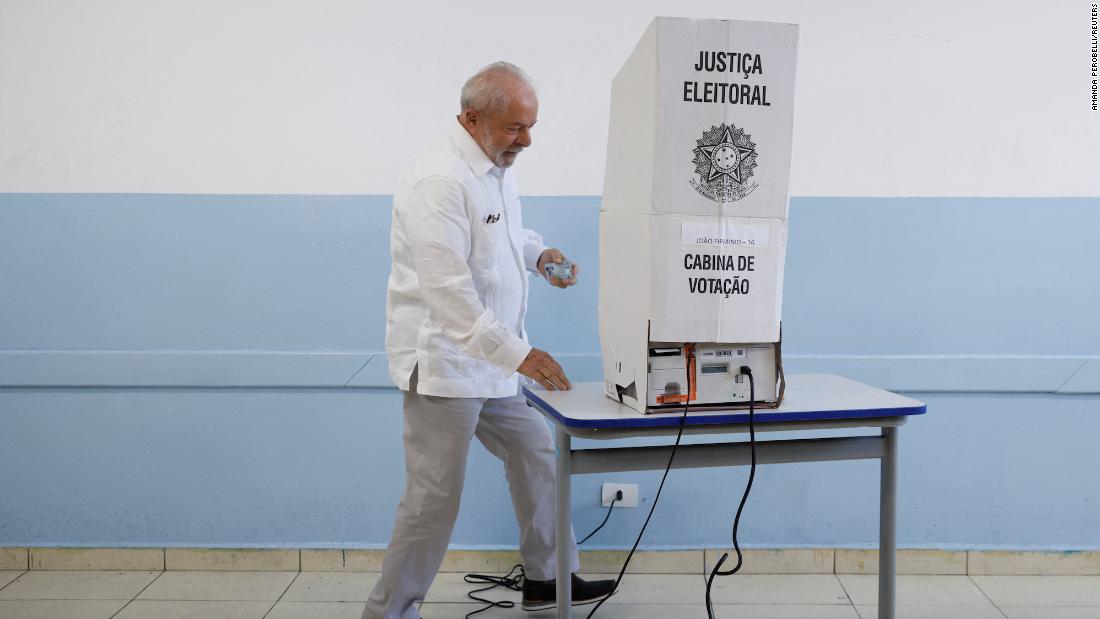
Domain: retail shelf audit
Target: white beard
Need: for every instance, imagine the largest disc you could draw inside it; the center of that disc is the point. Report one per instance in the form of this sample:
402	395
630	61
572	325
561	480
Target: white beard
495	155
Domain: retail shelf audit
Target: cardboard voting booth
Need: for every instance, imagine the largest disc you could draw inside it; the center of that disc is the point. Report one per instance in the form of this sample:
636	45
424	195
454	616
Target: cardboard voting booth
693	225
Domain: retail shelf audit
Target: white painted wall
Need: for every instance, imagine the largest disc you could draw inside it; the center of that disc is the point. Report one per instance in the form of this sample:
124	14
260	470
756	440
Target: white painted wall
975	98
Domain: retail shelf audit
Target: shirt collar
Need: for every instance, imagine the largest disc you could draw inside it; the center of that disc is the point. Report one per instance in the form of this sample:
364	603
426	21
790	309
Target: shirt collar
472	153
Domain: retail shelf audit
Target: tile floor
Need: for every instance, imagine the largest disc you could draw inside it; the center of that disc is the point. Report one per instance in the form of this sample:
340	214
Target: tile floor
322	595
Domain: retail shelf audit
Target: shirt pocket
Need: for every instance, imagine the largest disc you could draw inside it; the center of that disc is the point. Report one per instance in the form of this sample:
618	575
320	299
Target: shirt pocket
489	243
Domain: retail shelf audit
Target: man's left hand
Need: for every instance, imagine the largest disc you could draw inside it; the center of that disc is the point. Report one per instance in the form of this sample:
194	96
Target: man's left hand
553	255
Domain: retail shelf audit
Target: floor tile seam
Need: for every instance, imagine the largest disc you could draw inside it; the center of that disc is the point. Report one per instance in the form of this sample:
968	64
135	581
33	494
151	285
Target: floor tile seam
127	600
657	603
788	604
271	608
202	600
285	589
135	596
943	605
1060	606
63	600
24	573
767	603
330	602
691	604
984	593
847	594
349	601
639	603
252	572
69	599
133	599
154	601
431	605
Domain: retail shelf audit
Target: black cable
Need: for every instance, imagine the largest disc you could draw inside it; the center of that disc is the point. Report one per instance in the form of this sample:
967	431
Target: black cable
512	580
656	497
744	497
618	497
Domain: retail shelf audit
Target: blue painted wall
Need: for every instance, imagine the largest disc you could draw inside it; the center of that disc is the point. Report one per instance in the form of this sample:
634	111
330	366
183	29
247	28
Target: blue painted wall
205	370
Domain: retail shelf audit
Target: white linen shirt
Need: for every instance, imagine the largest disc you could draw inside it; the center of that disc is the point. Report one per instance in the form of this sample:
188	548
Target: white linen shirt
457	292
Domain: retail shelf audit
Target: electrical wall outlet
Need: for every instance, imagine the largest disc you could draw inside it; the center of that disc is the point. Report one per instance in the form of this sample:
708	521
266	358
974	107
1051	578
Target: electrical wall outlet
630	495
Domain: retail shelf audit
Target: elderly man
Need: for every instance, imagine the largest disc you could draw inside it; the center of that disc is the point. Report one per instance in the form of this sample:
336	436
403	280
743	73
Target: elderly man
456	341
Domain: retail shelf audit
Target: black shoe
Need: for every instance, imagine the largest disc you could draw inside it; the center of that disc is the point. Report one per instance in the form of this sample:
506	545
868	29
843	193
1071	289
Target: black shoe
542	594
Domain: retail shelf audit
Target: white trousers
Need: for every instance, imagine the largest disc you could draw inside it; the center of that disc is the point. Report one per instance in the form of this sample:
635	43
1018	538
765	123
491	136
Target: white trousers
437	440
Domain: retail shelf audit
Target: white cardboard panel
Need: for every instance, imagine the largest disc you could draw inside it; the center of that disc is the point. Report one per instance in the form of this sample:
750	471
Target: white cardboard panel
628	176
703	110
724	136
625	256
723	293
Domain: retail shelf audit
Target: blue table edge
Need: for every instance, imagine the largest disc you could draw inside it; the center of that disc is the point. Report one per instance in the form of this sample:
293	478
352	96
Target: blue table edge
672	418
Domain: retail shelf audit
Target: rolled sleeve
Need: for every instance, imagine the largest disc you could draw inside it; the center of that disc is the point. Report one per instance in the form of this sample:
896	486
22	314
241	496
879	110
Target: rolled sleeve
504	349
437	224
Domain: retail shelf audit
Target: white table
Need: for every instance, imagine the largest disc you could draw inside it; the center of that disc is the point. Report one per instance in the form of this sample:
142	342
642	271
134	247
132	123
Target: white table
811	402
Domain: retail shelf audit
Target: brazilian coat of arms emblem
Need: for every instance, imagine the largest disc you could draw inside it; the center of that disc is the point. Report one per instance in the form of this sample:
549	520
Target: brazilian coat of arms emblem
724	159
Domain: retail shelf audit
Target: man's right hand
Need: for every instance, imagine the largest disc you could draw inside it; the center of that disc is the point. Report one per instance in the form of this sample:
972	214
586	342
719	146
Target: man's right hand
540	366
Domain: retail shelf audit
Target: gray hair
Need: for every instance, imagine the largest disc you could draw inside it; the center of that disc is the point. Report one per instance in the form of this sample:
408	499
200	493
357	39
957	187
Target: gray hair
483	91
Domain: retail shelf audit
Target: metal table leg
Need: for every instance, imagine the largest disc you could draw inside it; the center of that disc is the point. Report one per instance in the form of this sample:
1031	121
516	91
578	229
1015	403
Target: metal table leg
887	524
564	522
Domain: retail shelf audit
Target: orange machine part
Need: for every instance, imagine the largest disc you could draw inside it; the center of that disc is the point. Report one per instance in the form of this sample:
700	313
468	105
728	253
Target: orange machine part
689	352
